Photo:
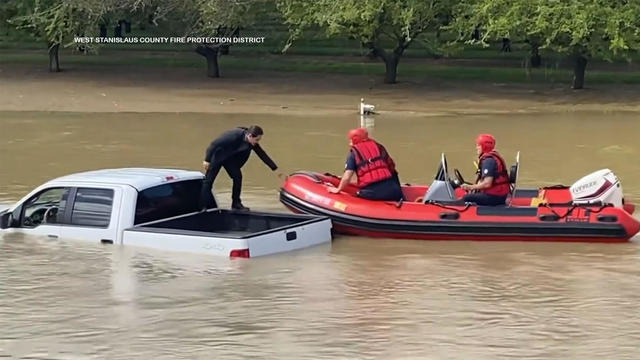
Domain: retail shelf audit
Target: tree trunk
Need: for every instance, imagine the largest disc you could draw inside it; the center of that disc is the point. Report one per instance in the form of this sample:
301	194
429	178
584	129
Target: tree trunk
211	54
79	47
54	64
535	59
127	26
391	60
506	45
391	63
224	49
578	72
476	34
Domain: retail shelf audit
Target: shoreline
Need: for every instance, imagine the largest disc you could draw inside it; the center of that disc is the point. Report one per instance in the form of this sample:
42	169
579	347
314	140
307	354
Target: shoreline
149	90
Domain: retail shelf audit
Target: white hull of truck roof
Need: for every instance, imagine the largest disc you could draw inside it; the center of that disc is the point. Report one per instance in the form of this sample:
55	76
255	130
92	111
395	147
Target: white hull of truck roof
139	178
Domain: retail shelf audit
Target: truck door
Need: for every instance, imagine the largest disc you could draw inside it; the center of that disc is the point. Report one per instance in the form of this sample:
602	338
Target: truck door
43	213
93	214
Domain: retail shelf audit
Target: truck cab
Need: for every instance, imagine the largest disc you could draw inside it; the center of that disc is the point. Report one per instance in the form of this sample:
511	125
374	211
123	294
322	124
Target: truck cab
99	205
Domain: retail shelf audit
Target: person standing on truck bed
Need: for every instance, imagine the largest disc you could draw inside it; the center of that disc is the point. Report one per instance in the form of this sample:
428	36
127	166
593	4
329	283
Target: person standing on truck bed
231	150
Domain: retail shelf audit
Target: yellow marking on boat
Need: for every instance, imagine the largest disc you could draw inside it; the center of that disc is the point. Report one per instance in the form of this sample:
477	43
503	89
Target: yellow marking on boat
536	201
340	206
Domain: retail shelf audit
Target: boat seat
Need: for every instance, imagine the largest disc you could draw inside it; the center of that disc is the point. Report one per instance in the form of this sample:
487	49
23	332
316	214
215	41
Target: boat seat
513	179
513	174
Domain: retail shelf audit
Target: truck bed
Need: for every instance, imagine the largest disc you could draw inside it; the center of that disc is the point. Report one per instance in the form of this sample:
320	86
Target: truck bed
232	233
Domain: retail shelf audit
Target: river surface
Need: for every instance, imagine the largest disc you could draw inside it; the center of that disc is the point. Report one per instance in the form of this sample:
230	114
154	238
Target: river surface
357	298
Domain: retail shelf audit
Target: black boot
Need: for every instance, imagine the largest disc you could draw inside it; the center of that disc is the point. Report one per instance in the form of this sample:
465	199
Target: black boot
239	206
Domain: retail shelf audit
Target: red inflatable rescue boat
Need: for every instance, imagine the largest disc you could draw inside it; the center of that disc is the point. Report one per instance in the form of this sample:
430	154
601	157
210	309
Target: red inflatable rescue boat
591	210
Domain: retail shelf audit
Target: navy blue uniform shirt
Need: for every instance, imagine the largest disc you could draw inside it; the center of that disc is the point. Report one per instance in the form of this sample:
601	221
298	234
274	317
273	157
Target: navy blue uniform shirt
351	162
489	168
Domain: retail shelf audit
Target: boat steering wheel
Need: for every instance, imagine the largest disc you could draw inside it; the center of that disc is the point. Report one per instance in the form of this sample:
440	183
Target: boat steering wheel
459	179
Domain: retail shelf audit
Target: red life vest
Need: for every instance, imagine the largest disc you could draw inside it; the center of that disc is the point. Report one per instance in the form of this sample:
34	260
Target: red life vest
373	164
500	185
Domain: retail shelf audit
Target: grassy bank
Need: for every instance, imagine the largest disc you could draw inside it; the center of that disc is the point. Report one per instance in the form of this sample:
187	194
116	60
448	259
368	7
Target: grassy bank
409	70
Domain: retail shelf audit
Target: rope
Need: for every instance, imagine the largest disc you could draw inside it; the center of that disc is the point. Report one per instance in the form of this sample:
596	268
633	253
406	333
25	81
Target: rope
573	206
555	187
601	208
558	215
309	174
466	206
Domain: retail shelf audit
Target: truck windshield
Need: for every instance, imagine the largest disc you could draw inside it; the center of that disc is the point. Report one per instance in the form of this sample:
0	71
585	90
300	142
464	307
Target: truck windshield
167	200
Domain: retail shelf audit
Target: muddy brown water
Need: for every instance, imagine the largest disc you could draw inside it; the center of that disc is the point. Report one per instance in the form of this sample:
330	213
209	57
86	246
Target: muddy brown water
358	297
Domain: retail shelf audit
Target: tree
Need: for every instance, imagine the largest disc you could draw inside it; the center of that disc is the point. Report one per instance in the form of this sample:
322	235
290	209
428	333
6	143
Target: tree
374	23
8	10
219	19
216	20
58	21
579	29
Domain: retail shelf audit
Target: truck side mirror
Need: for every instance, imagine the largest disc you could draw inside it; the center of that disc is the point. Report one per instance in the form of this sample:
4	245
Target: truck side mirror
5	220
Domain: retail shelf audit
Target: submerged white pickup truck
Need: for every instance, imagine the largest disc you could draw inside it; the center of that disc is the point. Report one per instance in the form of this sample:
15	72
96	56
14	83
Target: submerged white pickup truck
155	208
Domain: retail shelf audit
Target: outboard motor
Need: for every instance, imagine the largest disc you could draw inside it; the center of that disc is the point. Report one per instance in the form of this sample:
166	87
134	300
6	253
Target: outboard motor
600	186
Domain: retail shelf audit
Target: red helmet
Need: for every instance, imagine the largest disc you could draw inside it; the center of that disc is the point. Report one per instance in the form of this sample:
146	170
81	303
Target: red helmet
358	135
486	141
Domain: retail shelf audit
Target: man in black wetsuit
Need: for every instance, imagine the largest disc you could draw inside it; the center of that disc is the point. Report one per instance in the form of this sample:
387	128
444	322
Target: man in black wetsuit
231	150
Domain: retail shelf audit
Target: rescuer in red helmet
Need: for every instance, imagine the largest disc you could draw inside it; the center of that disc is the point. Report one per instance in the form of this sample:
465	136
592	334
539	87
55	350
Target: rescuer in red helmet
374	168
492	184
